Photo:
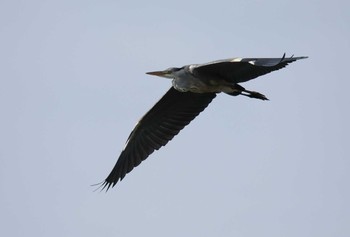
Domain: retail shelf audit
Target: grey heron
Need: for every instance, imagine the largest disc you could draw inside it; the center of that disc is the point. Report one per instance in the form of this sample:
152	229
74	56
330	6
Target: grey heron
193	88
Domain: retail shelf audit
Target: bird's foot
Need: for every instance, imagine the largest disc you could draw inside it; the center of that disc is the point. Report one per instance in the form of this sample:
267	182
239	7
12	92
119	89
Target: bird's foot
254	94
240	90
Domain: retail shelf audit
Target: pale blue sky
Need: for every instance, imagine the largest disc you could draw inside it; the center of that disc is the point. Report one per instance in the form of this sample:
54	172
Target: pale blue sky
73	86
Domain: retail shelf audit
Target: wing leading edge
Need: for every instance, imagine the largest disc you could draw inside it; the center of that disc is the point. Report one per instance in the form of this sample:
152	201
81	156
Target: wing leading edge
239	70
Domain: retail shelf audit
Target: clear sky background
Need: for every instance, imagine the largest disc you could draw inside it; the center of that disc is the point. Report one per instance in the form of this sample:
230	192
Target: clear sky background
73	86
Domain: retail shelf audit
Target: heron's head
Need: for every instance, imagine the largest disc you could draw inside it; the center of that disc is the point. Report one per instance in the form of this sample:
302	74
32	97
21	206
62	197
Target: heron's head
167	73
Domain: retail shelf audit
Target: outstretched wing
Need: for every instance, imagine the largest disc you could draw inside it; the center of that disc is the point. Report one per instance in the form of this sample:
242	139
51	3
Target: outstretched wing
158	126
242	69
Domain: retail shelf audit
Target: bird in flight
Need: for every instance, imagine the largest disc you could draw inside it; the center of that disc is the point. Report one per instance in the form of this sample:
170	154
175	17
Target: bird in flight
194	86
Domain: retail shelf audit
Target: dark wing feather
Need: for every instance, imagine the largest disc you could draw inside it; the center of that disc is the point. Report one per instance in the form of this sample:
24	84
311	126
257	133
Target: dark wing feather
167	117
242	70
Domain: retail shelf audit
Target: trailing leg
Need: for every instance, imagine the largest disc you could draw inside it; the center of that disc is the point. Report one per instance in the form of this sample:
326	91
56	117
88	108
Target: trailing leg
240	90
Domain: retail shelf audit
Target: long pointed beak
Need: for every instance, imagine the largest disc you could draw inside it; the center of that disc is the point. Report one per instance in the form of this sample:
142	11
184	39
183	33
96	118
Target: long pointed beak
157	73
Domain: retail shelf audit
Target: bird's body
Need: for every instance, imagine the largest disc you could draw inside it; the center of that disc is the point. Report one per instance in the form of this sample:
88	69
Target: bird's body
186	80
193	88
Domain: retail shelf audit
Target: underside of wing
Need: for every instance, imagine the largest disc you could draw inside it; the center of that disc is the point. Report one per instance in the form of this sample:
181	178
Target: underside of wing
242	69
166	118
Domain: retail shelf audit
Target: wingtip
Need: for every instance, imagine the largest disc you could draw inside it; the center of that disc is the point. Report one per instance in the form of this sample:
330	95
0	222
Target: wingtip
301	57
292	57
104	185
